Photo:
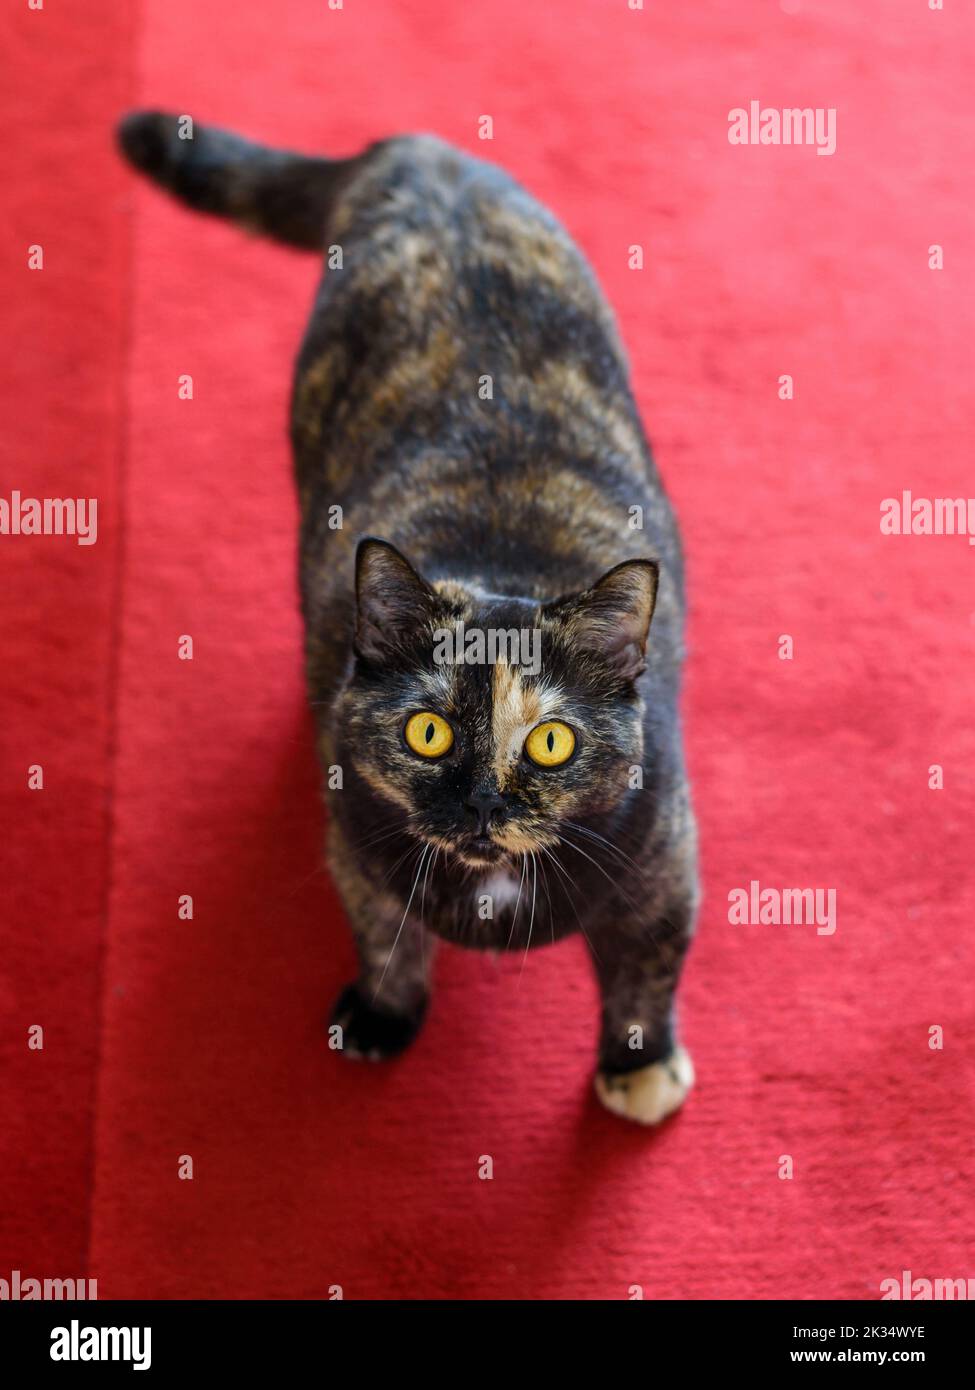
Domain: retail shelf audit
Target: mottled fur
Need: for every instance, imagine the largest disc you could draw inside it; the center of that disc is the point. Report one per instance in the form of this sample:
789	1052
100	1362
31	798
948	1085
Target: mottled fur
509	510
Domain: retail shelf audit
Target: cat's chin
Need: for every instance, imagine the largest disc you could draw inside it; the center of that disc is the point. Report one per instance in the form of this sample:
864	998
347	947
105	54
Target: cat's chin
479	860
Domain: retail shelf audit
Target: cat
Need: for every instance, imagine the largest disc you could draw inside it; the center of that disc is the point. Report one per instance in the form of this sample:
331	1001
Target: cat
468	452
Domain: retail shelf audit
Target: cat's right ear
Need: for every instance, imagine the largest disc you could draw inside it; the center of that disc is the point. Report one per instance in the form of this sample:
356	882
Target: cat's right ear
392	601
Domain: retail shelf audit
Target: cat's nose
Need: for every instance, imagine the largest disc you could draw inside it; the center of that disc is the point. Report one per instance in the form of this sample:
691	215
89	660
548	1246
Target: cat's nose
483	805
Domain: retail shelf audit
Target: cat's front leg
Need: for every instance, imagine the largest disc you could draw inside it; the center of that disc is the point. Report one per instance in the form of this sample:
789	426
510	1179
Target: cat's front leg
643	1072
381	1011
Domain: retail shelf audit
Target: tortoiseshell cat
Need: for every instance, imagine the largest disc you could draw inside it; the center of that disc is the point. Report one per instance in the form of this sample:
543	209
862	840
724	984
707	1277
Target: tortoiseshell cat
463	397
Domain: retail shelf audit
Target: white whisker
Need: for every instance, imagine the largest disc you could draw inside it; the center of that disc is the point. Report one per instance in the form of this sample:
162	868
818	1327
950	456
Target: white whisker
531	920
514	915
423	856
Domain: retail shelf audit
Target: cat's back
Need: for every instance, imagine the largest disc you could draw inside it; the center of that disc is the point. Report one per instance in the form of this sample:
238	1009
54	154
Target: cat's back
462	389
453	298
461	239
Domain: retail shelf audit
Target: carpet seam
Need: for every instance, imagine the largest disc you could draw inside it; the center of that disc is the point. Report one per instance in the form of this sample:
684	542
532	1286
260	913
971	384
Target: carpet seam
136	18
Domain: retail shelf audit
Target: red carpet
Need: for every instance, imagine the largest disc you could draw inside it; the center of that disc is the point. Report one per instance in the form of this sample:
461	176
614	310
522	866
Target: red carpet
167	1037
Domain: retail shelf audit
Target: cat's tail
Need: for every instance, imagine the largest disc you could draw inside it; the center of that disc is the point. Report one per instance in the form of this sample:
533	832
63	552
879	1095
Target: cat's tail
282	195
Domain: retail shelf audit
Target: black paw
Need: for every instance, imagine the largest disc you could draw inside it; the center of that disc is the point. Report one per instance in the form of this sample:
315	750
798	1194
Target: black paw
370	1032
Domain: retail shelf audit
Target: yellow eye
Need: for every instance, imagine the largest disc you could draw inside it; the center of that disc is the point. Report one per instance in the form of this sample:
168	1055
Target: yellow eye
428	735
550	744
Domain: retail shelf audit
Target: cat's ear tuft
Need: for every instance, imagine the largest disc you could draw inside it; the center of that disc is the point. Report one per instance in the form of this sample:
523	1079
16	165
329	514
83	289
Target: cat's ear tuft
612	619
391	600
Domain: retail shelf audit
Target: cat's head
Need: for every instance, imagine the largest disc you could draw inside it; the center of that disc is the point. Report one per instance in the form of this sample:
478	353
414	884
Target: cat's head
492	723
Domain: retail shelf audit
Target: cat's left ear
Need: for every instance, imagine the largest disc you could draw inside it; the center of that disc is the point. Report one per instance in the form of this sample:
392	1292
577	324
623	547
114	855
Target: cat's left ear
612	619
392	601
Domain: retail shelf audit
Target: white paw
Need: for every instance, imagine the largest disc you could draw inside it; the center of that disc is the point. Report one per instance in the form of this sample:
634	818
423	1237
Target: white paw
649	1094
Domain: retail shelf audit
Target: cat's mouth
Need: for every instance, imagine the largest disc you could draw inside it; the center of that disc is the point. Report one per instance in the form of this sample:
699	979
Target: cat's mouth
480	851
484	851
